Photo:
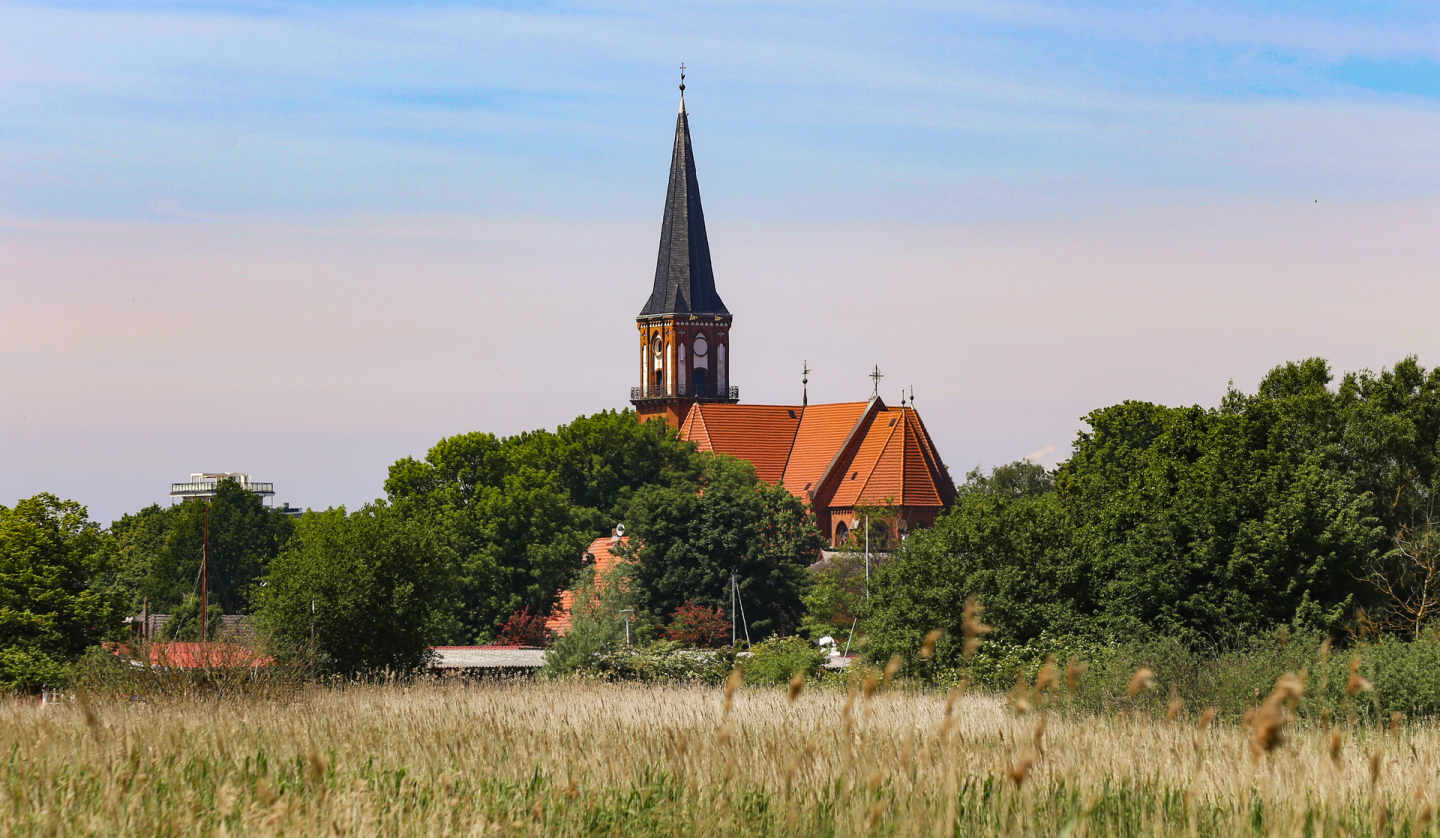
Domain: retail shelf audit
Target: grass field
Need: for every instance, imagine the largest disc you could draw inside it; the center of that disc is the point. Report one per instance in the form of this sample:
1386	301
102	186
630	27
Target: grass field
525	758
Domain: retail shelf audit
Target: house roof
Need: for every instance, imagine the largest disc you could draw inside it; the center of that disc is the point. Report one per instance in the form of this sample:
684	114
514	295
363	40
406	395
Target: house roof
211	655
684	278
605	559
833	455
764	432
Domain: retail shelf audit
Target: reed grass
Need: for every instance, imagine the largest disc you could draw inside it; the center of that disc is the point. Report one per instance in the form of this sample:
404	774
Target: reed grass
587	758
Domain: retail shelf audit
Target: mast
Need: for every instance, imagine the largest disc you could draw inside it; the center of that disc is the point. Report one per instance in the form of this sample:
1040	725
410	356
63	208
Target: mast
204	574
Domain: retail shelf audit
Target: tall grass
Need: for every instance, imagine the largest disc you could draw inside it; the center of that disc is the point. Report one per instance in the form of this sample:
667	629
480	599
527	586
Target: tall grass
588	758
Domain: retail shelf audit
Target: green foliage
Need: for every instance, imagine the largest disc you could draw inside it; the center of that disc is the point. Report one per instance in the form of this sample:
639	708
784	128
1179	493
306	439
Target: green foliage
1015	554
520	511
836	593
1206	527
693	532
50	609
777	659
157	551
184	622
665	661
381	585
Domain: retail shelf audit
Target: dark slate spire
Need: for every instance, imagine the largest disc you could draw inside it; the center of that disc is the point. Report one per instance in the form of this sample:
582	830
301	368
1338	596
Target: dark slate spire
684	280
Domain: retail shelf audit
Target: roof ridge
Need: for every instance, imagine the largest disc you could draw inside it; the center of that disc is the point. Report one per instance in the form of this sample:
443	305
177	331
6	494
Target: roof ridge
872	407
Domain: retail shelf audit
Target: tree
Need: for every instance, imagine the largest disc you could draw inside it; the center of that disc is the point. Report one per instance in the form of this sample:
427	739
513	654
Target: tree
689	536
375	585
1015	554
519	511
696	625
1408	579
157	551
50	606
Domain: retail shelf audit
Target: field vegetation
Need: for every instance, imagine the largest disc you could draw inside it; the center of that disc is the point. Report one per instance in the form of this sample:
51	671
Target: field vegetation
594	758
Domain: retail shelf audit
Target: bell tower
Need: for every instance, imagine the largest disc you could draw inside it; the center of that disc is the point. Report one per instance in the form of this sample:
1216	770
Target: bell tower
684	327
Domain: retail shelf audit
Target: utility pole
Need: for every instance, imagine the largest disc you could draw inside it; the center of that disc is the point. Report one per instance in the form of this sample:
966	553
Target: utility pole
205	575
732	607
867	558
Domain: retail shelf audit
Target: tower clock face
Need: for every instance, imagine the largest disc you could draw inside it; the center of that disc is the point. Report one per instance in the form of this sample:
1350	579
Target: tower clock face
701	346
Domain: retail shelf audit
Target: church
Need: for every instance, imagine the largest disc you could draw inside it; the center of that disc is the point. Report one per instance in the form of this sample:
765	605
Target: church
835	457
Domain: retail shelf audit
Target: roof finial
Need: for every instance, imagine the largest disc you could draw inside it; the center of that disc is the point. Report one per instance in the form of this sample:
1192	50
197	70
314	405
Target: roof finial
805	386
876	376
682	87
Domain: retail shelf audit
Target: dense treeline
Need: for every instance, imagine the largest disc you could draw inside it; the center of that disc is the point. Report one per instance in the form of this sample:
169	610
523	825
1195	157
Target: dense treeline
1306	505
1207	526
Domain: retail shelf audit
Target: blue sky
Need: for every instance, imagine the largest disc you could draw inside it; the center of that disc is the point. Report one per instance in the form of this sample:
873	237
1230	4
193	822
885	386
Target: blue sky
1028	210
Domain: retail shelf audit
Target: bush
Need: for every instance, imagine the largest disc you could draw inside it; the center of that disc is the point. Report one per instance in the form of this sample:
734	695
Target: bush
665	662
696	625
525	629
776	660
1406	676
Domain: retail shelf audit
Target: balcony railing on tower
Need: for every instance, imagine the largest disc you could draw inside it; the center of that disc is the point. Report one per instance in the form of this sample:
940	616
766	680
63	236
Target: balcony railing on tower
686	391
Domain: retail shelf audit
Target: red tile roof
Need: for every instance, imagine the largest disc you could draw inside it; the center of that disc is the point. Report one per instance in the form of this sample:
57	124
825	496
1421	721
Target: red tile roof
824	429
216	655
600	548
760	433
856	452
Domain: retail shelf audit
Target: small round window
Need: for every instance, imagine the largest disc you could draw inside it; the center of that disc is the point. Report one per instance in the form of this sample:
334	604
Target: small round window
701	346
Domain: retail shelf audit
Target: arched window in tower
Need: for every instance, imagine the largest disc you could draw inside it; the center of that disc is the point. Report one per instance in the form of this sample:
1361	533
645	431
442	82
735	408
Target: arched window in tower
842	534
680	370
700	382
657	354
720	368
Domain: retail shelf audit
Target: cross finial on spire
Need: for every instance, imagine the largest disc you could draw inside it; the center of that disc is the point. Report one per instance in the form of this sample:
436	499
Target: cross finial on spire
682	87
805	385
876	376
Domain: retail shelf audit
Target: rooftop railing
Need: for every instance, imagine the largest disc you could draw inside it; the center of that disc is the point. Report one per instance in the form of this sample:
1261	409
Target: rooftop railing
205	490
686	392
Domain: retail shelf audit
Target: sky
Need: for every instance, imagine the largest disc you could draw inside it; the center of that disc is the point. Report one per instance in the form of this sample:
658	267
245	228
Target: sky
304	240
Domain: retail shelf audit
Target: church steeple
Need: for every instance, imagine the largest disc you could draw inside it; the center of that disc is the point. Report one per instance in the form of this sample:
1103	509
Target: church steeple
684	279
684	327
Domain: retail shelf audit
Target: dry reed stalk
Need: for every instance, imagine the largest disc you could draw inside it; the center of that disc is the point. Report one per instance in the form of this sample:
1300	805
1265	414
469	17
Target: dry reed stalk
927	650
1356	684
797	683
1073	671
572	759
892	669
1142	680
972	628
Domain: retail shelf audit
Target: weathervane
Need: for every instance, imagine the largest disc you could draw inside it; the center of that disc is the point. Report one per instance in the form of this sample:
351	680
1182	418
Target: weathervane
805	385
876	376
682	78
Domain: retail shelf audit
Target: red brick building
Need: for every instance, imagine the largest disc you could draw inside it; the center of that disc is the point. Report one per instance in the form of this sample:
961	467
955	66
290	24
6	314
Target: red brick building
833	456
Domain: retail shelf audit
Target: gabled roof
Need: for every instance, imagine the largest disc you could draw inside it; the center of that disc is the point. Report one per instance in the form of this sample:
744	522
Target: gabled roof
684	278
896	460
760	433
832	455
824	429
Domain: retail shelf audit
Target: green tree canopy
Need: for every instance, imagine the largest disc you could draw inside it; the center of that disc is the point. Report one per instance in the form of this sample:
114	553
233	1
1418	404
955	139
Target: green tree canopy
1206	525
521	510
376	586
692	533
157	551
50	608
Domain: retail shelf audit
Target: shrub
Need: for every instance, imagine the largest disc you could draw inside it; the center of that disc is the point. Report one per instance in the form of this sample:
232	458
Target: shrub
776	660
696	625
525	629
666	661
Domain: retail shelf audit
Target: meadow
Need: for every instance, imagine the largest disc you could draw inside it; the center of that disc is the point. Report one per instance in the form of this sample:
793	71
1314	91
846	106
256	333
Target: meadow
590	758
